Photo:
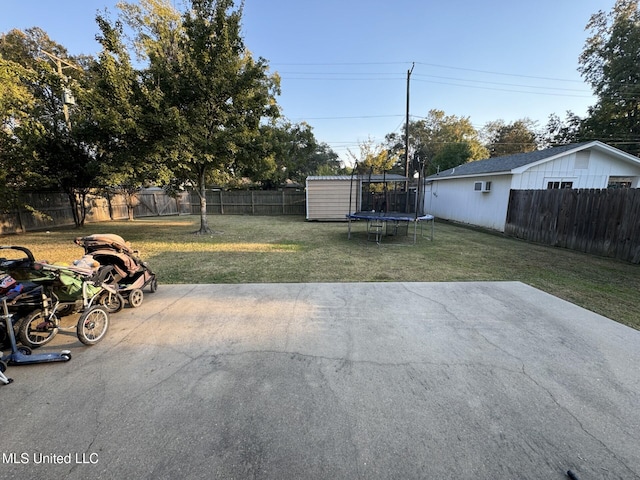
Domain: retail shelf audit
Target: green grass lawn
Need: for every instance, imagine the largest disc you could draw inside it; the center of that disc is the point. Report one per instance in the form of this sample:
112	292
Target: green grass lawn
247	249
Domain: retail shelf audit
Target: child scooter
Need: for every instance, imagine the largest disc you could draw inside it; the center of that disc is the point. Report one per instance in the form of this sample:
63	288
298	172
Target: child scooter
22	355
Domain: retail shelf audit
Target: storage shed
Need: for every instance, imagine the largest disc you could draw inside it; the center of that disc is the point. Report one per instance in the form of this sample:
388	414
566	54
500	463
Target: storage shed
328	196
332	197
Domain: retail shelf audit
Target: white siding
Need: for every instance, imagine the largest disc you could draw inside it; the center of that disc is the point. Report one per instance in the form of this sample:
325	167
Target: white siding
600	167
456	200
328	198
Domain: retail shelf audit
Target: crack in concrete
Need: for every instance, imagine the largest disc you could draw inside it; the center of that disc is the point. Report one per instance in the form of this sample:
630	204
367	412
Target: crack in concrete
557	403
344	362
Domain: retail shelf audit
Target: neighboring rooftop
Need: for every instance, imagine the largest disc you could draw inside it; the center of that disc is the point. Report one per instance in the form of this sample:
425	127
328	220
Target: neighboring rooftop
505	163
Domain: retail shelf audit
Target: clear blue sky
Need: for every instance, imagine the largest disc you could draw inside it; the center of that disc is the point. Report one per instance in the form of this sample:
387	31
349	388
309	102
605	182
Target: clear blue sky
344	63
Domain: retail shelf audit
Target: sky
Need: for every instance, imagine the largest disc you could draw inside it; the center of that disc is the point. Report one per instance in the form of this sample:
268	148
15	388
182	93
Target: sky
344	63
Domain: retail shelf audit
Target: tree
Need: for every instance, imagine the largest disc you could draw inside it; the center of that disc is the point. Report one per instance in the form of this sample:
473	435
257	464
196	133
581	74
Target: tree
452	155
511	138
15	103
326	161
562	132
439	140
212	94
121	121
296	154
609	63
374	159
38	143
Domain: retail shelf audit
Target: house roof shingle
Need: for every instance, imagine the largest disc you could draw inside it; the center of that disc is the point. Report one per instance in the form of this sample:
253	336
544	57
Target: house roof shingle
505	163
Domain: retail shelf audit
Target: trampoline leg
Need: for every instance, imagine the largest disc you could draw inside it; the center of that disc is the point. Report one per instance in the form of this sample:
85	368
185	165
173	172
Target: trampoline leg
376	229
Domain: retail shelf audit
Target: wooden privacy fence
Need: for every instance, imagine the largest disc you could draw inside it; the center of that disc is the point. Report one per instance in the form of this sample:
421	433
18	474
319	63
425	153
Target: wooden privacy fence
158	203
252	202
603	222
49	210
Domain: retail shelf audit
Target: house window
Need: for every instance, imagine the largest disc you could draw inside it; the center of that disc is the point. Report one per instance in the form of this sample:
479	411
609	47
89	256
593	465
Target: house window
556	185
620	182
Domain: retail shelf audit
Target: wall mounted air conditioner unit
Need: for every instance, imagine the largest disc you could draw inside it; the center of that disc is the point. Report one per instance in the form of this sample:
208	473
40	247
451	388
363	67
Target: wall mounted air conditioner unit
482	187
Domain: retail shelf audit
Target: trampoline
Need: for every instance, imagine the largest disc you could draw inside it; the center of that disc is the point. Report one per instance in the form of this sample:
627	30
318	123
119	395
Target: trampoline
380	224
380	221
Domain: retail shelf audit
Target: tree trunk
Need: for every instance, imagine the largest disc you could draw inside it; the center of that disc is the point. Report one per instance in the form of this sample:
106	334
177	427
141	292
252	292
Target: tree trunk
110	204
82	203
78	207
74	207
204	223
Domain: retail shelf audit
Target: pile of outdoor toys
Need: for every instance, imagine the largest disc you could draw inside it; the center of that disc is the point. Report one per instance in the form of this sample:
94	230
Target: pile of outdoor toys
34	296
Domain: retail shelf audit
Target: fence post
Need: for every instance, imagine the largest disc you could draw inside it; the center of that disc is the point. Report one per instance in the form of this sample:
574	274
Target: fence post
155	205
283	205
221	205
253	204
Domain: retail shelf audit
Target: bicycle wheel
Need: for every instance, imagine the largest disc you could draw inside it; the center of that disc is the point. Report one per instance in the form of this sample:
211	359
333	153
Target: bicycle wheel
112	302
37	329
93	325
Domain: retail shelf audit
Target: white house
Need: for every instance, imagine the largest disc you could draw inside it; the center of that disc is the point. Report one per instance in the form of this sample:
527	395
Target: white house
477	193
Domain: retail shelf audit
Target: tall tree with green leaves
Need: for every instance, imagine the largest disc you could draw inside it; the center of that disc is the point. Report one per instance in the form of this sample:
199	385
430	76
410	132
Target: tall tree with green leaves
440	141
38	141
374	158
213	94
121	121
16	102
562	132
609	63
296	154
519	136
224	93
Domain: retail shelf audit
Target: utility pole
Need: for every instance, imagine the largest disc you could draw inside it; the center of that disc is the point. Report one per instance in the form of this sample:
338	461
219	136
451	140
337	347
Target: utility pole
67	97
406	141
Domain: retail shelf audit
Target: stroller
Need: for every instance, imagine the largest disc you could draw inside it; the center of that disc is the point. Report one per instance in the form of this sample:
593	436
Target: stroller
129	271
48	292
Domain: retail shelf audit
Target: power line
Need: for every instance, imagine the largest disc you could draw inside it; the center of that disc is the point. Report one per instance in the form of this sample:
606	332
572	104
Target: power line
507	90
425	78
500	83
353	117
501	73
466	69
